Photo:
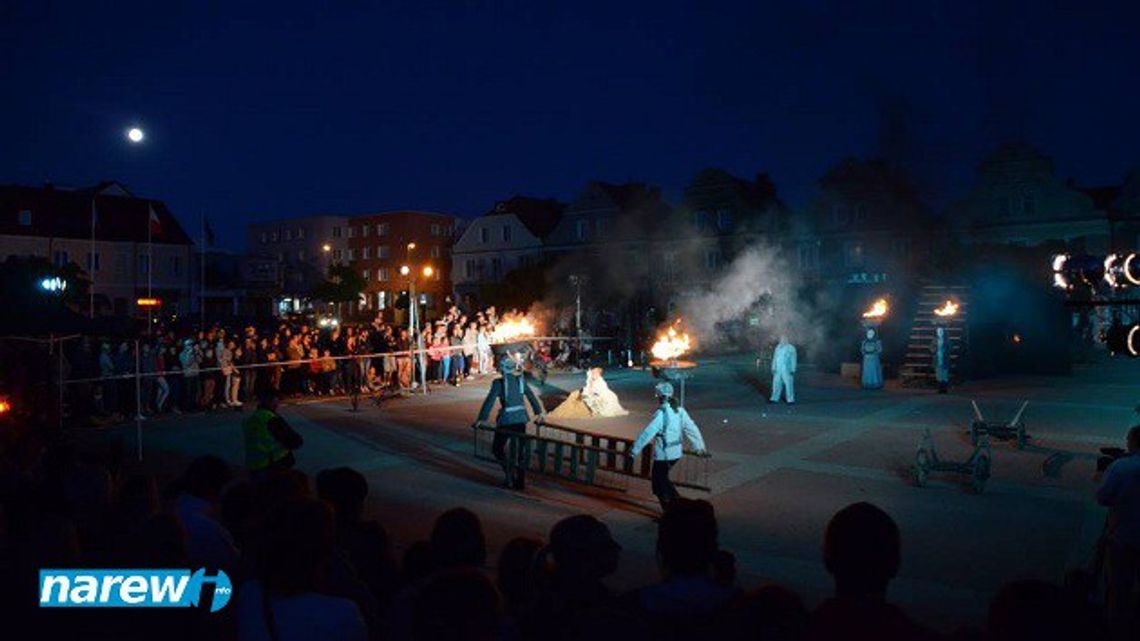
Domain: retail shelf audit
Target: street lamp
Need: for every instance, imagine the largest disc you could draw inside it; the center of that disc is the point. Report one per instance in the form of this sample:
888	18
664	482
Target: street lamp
326	248
413	314
135	135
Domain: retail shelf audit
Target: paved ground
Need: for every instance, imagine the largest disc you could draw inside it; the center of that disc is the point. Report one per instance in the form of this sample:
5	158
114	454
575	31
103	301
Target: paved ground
778	474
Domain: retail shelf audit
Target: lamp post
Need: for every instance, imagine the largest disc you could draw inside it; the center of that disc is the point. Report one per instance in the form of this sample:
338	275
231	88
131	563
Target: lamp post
576	280
413	315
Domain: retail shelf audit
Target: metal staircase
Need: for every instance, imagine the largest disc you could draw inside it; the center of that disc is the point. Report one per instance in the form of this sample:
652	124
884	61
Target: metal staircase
918	365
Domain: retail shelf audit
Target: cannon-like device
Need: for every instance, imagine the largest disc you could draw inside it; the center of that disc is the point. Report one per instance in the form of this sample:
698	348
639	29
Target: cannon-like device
977	467
1012	430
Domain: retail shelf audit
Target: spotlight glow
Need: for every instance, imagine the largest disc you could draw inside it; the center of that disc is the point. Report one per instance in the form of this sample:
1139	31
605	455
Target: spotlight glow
135	135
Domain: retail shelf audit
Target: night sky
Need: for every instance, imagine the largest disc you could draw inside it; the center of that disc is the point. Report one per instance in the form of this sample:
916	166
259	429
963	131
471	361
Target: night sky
290	108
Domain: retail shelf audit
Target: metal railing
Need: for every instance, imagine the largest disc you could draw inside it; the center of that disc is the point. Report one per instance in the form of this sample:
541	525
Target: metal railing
582	456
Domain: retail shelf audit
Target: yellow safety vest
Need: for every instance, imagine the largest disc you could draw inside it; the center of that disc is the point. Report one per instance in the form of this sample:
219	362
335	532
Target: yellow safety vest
261	449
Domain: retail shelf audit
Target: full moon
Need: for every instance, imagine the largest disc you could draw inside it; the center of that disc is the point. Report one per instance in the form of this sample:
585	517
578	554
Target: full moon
135	134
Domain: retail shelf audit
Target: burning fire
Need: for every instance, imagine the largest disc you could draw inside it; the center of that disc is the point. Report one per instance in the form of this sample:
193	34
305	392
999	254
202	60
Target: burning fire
949	308
671	345
878	310
510	328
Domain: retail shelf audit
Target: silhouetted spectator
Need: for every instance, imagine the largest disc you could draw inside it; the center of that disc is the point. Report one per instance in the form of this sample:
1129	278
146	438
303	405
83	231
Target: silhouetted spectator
771	613
568	579
687	601
458	604
1120	492
365	543
285	602
1031	610
861	549
209	543
457	540
416	564
724	569
514	568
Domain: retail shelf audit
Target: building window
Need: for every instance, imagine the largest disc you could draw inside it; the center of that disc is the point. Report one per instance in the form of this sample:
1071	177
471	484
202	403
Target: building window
581	229
723	220
381	229
712	259
351	254
382	275
808	254
337	255
506	233
435	251
336	231
1028	203
364	230
853	255
25	217
366	274
366	252
144	263
700	219
599	227
381	297
273	236
470	268
437	274
383	251
670	264
280	257
484	235
496	268
59	258
860	213
300	254
288	235
93	262
840	215
901	249
351	231
1003	206
175	265
264	238
300	233
524	261
434	229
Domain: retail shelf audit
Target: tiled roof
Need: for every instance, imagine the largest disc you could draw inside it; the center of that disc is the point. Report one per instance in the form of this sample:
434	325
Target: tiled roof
59	212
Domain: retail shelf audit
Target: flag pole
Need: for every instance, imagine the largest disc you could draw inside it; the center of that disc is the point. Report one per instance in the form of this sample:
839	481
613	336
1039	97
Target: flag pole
150	267
91	263
202	282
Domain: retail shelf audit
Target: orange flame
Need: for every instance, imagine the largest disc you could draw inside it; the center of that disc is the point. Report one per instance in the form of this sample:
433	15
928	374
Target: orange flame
672	344
878	310
949	308
510	328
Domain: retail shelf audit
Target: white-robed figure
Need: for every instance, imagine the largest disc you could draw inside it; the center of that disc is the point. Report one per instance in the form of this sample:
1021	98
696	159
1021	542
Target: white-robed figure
872	361
670	425
783	371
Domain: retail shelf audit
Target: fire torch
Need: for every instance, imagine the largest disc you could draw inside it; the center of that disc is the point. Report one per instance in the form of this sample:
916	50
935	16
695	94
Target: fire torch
671	345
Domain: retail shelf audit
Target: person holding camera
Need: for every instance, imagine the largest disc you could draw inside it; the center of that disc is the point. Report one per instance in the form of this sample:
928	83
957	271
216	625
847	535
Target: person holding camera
1120	493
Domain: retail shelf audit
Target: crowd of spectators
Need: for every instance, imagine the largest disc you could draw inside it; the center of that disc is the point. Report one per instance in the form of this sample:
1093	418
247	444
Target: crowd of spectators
227	368
307	563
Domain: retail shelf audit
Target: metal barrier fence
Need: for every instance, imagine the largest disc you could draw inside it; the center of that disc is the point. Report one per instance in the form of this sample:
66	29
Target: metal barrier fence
582	456
135	389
